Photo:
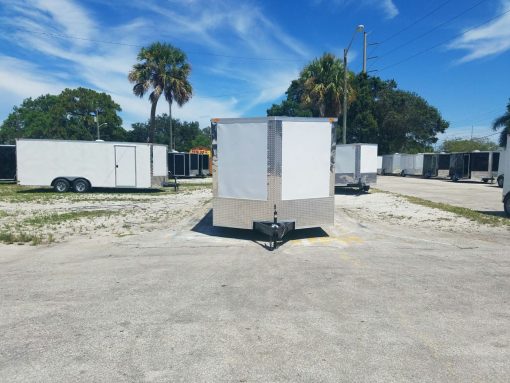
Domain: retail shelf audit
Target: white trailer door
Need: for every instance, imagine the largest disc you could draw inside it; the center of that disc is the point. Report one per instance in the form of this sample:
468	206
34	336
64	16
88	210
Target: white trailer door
125	166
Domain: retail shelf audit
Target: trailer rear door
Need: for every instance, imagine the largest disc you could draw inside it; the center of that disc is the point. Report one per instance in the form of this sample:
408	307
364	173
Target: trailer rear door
125	166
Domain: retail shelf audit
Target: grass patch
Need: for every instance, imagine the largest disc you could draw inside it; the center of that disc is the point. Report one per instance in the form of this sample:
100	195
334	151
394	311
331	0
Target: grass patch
57	218
470	214
3	214
10	238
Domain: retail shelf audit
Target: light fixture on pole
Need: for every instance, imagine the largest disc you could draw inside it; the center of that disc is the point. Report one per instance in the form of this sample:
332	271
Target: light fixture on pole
359	28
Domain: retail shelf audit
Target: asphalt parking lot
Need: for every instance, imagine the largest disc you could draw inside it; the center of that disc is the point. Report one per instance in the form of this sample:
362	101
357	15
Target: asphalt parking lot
472	195
379	297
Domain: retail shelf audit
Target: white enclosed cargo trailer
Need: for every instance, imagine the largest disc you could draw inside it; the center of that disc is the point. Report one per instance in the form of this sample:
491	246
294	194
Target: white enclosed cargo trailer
506	184
273	174
81	165
356	165
411	164
379	164
391	164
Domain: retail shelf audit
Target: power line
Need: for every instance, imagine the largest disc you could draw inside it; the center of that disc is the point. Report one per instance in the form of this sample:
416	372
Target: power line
409	26
431	30
443	42
73	37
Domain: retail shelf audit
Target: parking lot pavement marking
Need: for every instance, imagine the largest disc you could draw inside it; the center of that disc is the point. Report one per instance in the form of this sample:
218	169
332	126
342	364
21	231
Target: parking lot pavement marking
340	241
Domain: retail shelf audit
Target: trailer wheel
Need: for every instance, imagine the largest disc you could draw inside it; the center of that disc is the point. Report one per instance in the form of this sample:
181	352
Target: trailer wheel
506	204
455	178
81	186
403	173
501	181
61	185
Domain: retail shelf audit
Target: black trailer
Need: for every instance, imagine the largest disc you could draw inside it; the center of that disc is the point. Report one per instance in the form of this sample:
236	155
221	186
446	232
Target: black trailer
476	166
185	165
436	165
7	162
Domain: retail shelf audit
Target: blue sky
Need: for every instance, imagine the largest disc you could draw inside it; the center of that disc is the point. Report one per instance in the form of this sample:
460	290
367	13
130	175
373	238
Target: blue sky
245	53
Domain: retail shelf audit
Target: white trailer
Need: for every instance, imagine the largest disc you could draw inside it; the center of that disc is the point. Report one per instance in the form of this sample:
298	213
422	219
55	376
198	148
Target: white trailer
379	164
506	184
501	168
356	165
81	165
391	164
411	164
273	174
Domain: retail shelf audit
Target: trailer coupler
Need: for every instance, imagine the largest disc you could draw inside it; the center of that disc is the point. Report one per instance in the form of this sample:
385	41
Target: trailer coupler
275	230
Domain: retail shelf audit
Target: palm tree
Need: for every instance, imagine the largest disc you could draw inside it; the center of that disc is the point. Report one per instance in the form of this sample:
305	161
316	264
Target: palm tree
162	68
177	87
503	121
322	82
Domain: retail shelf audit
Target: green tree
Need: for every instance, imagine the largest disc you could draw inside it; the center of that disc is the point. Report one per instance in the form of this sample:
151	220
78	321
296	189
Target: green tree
322	86
69	115
187	134
465	145
292	106
503	121
162	68
379	112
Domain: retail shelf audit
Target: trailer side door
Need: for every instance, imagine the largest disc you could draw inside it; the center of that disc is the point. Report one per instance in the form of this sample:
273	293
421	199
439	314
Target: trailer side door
125	166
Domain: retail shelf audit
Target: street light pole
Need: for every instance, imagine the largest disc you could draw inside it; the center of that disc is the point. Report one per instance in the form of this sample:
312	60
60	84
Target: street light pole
359	28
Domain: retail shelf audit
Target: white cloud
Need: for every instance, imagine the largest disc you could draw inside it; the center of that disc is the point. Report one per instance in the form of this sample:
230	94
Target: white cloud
388	7
224	27
488	40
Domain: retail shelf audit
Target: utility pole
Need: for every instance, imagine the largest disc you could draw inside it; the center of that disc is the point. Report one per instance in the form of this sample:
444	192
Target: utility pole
344	113
364	52
97	123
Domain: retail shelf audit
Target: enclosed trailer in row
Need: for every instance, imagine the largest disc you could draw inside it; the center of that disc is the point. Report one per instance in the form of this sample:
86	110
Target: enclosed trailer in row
188	164
356	165
391	164
379	164
436	165
81	165
411	164
262	178
7	162
477	166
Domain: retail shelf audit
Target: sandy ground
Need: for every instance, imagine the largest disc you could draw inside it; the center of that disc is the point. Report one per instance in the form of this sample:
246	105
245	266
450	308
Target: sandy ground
56	218
378	297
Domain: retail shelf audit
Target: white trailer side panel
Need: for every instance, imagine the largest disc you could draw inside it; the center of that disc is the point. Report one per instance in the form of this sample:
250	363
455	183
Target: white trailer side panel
242	161
303	176
39	162
379	164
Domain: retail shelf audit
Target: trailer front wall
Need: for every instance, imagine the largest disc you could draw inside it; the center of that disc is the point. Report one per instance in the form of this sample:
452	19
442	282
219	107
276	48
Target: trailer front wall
260	163
39	162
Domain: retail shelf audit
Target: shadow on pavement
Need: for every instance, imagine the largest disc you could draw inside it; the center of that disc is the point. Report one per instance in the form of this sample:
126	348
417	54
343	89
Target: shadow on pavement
345	190
205	226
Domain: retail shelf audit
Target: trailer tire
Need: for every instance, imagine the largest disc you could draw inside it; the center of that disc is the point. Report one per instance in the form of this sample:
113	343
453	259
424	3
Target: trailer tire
61	185
403	173
455	178
501	181
81	185
506	204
